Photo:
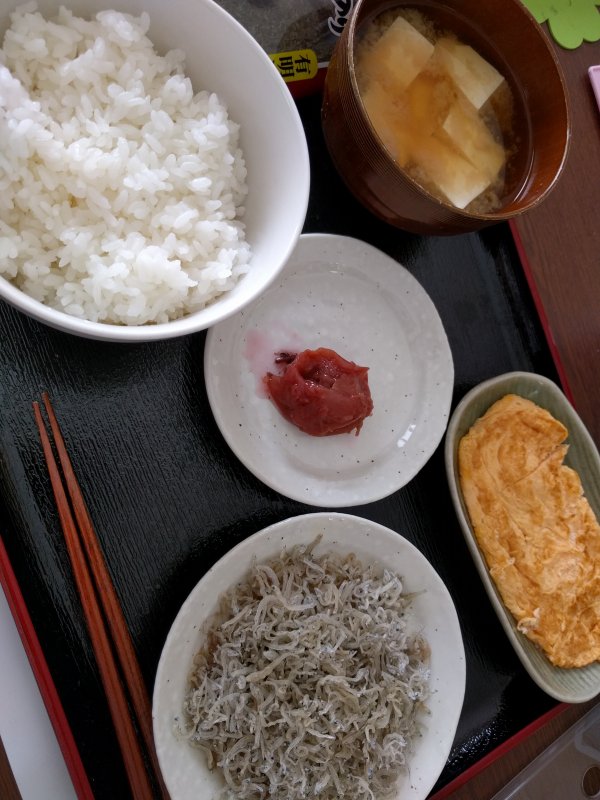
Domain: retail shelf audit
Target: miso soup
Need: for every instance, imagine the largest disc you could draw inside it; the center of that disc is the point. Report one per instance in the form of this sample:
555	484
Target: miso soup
445	114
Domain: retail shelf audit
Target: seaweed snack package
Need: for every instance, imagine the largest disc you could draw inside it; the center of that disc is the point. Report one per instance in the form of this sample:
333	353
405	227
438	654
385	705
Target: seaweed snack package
298	35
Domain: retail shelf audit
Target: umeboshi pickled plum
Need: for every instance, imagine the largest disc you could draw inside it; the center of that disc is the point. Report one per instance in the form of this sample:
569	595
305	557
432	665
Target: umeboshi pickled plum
320	392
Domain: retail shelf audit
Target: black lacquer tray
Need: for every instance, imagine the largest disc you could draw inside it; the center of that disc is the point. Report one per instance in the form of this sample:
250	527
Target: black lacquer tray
168	498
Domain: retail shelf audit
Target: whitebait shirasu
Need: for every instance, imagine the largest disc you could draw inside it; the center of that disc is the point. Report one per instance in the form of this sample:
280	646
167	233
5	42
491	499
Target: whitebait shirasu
311	684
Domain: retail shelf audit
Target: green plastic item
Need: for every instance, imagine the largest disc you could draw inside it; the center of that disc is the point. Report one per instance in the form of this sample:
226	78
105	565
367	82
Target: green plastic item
571	22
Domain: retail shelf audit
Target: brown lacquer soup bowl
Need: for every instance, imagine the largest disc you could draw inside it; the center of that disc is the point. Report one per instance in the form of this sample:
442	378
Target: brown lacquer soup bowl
506	36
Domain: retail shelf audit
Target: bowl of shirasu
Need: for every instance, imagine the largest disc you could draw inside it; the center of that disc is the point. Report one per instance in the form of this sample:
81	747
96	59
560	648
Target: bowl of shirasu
320	657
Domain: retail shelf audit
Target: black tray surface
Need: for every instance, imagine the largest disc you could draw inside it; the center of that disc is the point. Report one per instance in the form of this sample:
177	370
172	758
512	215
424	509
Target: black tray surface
168	497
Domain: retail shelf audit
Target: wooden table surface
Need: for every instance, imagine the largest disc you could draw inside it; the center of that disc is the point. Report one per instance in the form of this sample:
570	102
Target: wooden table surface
560	247
8	785
560	243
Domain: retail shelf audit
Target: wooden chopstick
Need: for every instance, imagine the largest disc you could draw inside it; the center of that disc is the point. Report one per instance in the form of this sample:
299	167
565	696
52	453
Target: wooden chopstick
94	587
106	590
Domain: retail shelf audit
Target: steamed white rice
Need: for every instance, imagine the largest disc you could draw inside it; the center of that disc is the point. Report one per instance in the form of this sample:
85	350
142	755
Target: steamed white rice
121	191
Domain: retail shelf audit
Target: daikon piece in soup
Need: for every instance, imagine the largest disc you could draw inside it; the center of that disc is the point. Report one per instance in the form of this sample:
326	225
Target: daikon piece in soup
444	113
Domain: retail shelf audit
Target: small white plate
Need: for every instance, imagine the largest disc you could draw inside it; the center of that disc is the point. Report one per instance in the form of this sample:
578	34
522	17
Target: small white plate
184	768
344	294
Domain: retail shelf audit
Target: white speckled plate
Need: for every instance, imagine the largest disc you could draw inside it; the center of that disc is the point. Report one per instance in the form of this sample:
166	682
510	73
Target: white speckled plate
568	685
344	294
184	768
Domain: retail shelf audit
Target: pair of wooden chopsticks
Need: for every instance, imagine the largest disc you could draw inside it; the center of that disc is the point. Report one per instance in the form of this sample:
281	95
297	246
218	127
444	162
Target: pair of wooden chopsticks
102	609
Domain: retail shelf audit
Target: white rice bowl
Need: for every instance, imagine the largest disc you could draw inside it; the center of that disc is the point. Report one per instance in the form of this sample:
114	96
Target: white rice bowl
130	193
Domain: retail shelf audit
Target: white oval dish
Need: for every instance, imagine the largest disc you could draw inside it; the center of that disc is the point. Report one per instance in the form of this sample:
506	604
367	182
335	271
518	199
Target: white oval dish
344	294
566	685
184	768
222	57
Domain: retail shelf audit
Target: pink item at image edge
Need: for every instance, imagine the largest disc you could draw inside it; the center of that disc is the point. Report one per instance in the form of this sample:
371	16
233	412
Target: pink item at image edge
594	73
